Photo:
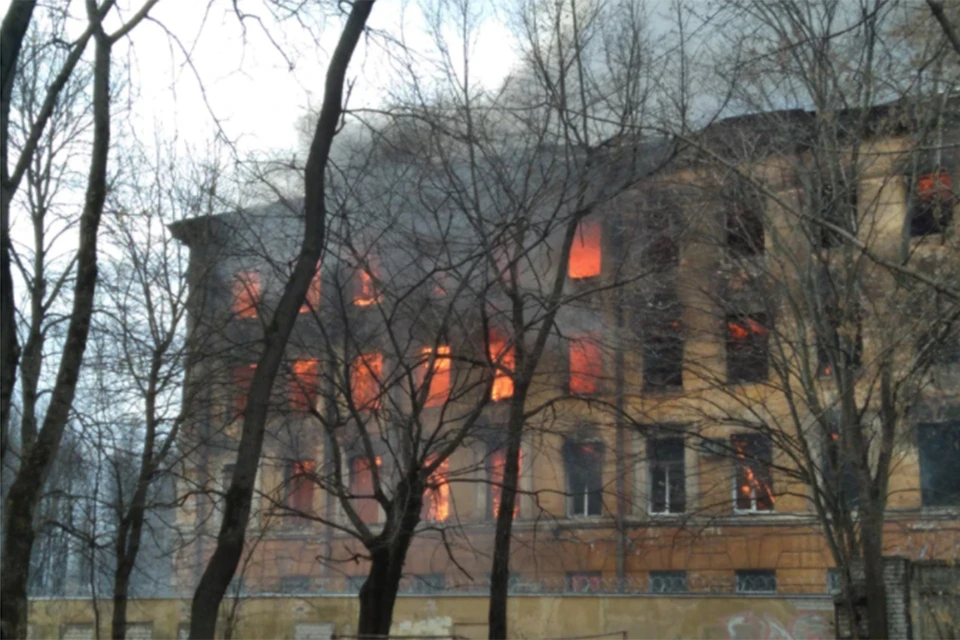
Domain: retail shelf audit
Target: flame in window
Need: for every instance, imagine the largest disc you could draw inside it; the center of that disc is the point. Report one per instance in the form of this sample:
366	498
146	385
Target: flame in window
741	330
365	381
242	379
436	497
246	293
303	385
440	381
368	293
935	185
752	485
585	253
361	487
495	472
586	366
502	358
312	300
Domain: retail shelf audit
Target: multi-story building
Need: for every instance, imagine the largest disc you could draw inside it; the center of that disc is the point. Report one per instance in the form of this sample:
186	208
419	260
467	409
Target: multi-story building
663	449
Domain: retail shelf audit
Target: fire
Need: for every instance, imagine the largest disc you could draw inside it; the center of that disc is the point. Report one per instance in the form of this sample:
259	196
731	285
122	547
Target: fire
440	381
246	293
754	487
497	466
436	498
585	254
935	185
365	381
745	328
586	366
361	487
368	294
313	294
303	386
502	357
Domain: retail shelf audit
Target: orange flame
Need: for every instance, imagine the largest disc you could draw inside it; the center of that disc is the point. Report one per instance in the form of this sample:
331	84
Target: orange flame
246	293
586	254
436	498
498	462
365	382
440	381
303	386
502	358
312	300
368	294
586	366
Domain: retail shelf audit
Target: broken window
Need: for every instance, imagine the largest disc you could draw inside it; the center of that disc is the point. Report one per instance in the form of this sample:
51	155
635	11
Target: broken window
667	475
300	485
436	496
744	226
932	208
246	293
312	301
585	582
367	290
361	488
303	385
663	344
501	357
837	206
439	390
583	462
585	253
748	355
753	478
496	463
668	582
586	365
839	472
756	581
242	380
365	377
939	445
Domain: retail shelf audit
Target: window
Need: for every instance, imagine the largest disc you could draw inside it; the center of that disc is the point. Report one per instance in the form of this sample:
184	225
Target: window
439	390
303	385
312	301
837	206
361	488
843	343
583	462
661	251
365	381
932	208
584	582
747	348
496	463
585	253
246	293
300	485
367	291
668	582
753	481
501	357
756	581
242	380
939	445
663	343
436	497
745	235
839	472
586	366
667	475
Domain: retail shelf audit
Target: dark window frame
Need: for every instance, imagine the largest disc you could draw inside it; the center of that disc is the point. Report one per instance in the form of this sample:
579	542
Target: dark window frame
931	214
748	358
939	461
673	470
584	482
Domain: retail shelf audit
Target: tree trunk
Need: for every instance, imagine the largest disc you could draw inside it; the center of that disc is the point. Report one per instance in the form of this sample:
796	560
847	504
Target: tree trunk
12	33
27	486
121	588
500	571
230	541
875	589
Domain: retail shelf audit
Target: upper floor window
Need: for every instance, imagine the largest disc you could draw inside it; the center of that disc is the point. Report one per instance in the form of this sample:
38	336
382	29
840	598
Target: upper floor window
300	485
242	381
662	250
303	385
939	445
586	365
312	301
246	293
501	356
361	488
839	472
436	496
663	344
933	201
439	373
496	463
583	462
667	475
586	251
837	206
365	377
839	345
745	235
748	351
753	477
367	290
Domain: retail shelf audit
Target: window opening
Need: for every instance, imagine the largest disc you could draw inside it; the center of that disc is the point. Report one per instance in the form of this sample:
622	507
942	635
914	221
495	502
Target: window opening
747	348
365	381
584	467
586	365
667	475
246	293
753	481
586	251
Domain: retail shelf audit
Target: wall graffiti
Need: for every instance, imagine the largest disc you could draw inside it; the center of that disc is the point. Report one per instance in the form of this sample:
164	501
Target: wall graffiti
747	625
